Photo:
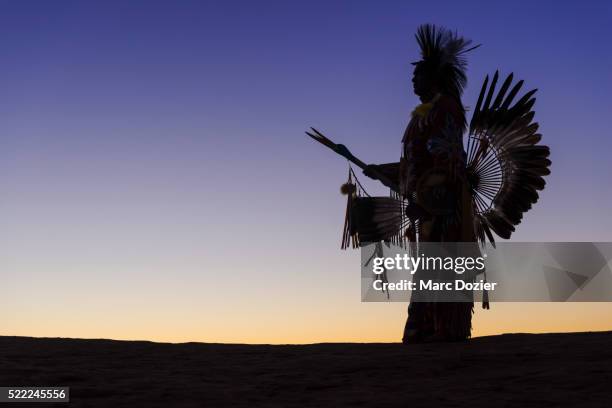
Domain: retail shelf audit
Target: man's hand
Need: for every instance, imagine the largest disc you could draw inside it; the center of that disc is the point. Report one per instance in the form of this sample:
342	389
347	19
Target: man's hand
416	212
372	171
375	172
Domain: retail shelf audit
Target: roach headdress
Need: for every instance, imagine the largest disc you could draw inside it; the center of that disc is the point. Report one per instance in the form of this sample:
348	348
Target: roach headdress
442	55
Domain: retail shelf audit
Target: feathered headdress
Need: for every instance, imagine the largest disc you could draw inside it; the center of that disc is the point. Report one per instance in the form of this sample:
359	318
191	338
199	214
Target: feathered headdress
442	53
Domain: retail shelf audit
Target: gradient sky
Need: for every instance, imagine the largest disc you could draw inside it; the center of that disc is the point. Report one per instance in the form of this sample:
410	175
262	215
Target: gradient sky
156	182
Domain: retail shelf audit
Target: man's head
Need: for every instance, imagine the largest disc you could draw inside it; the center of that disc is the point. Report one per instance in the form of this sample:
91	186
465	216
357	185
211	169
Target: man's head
424	82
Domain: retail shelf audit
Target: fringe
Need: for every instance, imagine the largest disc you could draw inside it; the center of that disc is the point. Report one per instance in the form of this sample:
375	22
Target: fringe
453	320
400	239
353	189
485	295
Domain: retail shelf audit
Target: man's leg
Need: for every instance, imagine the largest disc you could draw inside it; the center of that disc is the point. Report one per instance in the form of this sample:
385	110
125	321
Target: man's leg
419	324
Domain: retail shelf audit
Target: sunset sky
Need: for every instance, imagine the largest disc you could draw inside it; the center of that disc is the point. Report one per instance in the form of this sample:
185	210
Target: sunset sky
156	182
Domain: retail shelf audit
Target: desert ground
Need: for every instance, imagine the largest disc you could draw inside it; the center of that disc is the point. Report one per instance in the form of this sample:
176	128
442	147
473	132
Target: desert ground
523	370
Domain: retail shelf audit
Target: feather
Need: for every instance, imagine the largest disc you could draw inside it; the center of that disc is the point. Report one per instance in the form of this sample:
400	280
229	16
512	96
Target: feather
491	90
512	95
502	92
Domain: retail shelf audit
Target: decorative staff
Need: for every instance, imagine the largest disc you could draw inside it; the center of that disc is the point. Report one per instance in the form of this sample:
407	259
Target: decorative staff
343	151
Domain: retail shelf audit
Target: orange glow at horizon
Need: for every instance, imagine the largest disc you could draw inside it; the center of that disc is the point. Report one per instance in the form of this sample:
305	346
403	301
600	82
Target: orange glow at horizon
372	322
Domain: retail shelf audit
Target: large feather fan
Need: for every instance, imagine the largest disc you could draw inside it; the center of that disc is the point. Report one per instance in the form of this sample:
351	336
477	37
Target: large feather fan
506	165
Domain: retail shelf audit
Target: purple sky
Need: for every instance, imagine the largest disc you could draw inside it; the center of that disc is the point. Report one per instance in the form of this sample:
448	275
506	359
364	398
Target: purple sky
152	156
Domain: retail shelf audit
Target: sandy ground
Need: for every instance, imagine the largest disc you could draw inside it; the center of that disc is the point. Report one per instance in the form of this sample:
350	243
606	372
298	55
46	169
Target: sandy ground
524	370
